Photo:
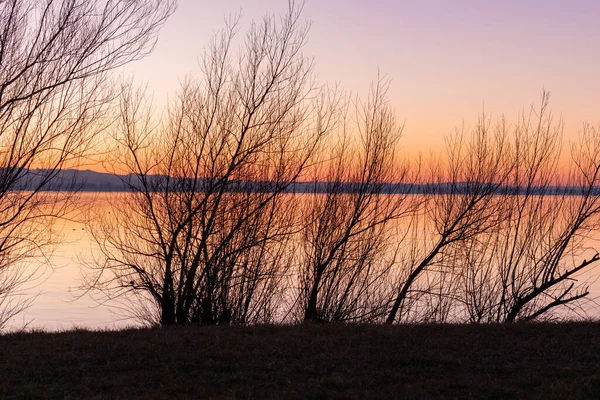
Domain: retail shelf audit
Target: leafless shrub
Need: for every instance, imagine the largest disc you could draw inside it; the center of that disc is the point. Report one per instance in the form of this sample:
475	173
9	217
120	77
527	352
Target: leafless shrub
345	254
532	264
55	59
459	204
204	230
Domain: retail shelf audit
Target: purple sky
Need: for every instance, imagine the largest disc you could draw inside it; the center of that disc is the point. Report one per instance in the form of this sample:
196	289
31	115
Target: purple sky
447	59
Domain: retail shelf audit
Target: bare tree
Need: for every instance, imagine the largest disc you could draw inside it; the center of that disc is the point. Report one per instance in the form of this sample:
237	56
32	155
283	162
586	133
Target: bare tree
504	232
459	204
205	227
531	265
350	216
55	59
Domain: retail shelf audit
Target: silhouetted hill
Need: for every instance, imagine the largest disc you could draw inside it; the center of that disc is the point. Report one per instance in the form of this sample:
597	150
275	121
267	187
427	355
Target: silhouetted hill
92	181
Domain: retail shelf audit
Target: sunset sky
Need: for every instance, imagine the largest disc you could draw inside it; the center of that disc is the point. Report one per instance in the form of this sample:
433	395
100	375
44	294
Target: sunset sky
446	59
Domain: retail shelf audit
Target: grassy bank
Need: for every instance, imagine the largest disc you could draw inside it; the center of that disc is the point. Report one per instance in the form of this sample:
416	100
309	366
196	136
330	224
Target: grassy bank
525	361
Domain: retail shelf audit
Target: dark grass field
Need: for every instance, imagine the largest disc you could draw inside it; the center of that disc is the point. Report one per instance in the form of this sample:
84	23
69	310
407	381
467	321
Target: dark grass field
536	361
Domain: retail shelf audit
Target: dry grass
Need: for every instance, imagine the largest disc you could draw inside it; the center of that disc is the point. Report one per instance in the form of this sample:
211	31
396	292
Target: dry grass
308	361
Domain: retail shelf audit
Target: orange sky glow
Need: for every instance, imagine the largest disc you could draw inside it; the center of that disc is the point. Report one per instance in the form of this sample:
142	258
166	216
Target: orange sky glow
447	61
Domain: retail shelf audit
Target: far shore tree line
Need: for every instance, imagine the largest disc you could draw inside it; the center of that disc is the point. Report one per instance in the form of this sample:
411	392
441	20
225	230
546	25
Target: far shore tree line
181	247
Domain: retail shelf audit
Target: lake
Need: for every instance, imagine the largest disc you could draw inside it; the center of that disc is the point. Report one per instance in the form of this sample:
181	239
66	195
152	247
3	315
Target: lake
59	302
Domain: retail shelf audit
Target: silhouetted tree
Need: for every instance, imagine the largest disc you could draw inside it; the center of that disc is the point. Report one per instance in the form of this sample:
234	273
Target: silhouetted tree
55	59
533	262
202	233
345	253
459	204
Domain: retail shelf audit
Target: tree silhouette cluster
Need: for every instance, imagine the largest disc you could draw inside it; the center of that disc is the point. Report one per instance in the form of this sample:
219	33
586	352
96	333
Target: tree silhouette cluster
211	230
214	235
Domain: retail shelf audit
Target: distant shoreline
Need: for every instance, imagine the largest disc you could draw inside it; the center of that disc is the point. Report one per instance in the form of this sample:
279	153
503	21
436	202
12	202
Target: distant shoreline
92	181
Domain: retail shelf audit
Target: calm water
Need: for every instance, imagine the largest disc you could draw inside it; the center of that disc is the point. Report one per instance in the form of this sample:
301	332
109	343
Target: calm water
60	303
59	300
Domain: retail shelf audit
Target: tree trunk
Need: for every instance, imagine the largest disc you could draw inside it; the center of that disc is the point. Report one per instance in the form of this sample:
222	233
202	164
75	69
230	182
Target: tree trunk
310	312
168	312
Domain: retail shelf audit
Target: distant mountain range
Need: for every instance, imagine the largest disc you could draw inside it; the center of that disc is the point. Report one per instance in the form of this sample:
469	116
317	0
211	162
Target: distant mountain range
92	181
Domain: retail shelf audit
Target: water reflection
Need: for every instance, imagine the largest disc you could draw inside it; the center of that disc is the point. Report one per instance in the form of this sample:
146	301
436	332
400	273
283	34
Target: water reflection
61	303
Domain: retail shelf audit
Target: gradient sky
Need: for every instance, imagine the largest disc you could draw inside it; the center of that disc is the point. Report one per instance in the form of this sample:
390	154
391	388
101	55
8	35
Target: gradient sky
447	59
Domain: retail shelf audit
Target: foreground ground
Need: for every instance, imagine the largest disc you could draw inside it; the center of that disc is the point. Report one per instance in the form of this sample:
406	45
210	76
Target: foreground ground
429	361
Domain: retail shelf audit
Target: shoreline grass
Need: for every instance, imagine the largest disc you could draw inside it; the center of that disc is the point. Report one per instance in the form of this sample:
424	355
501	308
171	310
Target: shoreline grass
306	361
